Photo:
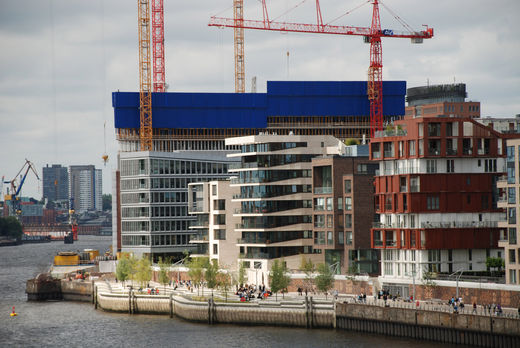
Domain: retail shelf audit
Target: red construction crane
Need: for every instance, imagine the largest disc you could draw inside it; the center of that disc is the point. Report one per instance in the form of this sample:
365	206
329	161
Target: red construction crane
158	45
371	35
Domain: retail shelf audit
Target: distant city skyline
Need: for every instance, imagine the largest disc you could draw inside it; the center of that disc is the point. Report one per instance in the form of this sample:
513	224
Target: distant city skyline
62	61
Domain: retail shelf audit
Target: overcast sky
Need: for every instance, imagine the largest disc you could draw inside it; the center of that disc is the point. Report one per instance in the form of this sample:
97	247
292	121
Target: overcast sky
62	59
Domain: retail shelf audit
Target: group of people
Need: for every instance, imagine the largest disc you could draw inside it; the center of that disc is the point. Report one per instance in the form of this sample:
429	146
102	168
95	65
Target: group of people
495	309
248	292
457	304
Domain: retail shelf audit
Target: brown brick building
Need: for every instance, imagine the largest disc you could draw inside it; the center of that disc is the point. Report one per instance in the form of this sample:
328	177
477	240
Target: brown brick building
343	212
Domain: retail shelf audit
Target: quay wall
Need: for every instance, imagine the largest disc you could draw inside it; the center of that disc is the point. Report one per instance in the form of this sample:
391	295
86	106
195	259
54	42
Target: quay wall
76	290
474	330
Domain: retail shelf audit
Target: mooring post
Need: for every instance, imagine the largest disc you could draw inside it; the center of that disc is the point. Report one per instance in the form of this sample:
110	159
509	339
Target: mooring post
171	305
130	301
311	307
334	316
95	295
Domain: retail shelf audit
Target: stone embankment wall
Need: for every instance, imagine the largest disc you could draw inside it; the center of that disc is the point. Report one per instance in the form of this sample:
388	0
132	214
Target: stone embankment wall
474	330
307	314
76	290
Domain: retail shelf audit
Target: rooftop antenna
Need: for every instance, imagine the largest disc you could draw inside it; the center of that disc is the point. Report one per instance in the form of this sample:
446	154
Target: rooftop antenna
287	65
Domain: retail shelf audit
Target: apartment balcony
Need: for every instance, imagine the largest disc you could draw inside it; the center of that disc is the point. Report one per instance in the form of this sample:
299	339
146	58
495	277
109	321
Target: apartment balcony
199	238
434	151
451	152
502	181
322	190
254	255
460	224
394	225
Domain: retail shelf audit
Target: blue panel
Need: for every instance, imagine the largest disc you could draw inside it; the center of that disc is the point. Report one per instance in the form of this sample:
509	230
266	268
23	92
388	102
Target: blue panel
250	110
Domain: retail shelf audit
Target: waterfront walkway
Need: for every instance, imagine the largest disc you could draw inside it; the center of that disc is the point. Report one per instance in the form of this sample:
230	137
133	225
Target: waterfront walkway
205	293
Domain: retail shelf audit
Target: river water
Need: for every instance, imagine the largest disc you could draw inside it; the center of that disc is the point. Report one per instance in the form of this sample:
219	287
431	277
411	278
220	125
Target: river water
79	325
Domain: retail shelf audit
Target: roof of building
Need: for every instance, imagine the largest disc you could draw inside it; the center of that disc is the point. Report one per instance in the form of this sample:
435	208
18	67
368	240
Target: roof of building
250	110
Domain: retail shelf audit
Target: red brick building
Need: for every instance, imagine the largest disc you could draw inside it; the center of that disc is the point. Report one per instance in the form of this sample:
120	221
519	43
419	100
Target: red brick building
436	195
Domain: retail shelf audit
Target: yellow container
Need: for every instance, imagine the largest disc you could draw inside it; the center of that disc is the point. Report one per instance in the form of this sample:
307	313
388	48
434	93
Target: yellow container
66	259
93	253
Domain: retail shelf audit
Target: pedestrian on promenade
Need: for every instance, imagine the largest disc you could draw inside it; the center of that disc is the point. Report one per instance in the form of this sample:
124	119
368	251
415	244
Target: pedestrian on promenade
474	308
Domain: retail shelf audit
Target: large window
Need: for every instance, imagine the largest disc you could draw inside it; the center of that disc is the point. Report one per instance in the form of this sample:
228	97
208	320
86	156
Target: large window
432	203
348	203
348	186
511	216
348	220
511	195
512	235
319	221
431	166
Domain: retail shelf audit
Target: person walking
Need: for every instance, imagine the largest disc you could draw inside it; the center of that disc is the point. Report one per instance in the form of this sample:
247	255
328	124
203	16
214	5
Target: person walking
474	308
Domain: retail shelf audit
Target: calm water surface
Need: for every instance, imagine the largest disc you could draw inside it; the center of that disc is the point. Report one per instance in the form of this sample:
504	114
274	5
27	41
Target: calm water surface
79	325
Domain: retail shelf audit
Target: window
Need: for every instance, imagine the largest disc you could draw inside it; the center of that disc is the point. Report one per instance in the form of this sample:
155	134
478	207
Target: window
219	204
329	220
511	195
348	235
257	265
215	249
329	203
432	203
319	204
512	235
431	166
340	203
490	165
220	234
341	237
348	203
348	186
214	190
450	166
511	216
319	221
411	147
512	276
329	238
219	219
348	220
512	256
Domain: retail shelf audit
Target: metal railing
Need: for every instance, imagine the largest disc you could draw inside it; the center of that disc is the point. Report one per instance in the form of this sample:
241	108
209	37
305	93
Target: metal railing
322	190
459	224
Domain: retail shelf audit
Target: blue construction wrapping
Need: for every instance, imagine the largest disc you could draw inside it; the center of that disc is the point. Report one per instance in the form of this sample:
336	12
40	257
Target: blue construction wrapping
250	110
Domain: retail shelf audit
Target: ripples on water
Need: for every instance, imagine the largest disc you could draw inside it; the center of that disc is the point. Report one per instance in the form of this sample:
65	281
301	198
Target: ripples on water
79	325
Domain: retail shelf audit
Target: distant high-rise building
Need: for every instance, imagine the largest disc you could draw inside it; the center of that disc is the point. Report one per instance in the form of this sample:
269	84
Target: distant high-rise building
86	187
55	183
441	100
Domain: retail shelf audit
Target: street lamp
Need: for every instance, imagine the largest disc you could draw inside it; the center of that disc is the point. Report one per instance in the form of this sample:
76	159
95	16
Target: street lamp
459	271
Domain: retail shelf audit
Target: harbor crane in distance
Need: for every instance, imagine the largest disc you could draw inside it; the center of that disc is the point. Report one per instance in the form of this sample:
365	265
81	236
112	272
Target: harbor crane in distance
16	187
371	35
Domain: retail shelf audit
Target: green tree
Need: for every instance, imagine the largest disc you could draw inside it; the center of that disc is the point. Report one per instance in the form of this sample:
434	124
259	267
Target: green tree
123	268
143	271
107	202
241	273
211	274
224	281
10	227
278	278
351	141
495	262
196	267
307	267
164	267
325	278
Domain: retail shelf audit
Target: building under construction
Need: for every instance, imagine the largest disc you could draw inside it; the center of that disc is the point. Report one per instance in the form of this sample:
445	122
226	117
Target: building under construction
188	146
201	121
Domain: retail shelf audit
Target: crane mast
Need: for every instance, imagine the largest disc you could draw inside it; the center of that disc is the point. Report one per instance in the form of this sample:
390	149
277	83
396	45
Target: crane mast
145	77
158	45
375	74
240	74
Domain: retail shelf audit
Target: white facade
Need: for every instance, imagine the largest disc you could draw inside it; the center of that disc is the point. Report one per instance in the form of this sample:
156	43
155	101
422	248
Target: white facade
154	198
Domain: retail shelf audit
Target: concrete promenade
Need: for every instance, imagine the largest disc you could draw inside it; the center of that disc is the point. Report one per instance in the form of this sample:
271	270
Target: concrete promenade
427	320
